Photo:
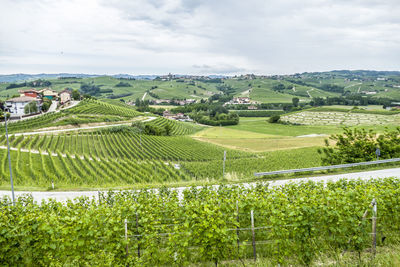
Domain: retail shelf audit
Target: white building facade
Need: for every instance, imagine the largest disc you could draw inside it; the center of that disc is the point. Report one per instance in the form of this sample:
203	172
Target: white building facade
16	106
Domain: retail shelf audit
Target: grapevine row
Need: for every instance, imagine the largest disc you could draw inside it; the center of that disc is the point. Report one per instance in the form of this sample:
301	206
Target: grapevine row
294	225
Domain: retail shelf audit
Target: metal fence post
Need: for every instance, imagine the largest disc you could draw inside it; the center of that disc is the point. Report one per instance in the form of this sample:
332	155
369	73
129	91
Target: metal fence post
237	228
126	237
253	234
138	238
223	165
374	213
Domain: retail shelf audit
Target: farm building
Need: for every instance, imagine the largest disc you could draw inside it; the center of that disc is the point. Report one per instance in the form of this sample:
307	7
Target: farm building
49	94
65	96
17	105
252	107
30	93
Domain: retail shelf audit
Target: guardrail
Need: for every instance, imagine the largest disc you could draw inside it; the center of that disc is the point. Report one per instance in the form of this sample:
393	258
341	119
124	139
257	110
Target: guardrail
340	166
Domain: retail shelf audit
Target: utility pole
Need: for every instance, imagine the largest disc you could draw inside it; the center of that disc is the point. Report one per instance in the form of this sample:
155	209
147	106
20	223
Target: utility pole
9	158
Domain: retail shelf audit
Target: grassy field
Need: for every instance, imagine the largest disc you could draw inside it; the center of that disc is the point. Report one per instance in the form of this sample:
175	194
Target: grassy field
253	141
261	125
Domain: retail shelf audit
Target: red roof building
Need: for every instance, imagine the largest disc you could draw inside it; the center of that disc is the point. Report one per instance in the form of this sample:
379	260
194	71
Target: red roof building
31	93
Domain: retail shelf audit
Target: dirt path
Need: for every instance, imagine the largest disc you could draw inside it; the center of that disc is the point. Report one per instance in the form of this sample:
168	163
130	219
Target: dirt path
246	93
33	151
308	92
144	96
352	85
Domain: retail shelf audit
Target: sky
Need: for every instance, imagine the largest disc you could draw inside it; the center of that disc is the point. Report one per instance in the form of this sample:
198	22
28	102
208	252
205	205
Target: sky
198	37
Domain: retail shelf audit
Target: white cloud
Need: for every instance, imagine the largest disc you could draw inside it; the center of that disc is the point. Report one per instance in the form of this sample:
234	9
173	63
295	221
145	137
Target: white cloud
193	36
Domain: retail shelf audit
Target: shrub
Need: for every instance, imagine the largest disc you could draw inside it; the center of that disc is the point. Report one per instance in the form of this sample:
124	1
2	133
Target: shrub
274	119
360	145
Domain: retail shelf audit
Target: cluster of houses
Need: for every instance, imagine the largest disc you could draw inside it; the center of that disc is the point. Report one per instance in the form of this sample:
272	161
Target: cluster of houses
16	105
170	77
176	102
242	101
179	116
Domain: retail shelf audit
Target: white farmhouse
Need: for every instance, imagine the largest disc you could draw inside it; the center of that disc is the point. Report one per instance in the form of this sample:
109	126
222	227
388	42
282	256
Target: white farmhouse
65	96
17	105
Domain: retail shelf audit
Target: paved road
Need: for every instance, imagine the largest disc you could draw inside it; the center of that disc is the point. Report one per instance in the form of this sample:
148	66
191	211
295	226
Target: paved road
82	128
53	106
72	104
63	196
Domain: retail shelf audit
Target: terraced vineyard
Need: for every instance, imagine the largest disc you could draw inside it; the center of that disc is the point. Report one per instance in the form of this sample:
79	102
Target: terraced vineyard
32	169
91	106
178	128
124	145
340	118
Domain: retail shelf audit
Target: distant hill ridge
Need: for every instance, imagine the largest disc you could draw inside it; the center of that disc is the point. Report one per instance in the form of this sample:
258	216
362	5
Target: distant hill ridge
25	77
20	77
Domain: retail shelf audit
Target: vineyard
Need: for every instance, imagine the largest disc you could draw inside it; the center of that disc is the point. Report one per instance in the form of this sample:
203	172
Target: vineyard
243	168
178	128
124	145
90	106
31	169
289	225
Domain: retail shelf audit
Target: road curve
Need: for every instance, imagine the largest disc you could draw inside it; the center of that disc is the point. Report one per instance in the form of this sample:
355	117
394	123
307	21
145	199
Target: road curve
63	196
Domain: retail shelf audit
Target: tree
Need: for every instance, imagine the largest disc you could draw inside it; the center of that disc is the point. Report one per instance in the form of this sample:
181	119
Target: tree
295	101
360	145
31	108
90	89
137	102
46	104
76	95
168	129
123	84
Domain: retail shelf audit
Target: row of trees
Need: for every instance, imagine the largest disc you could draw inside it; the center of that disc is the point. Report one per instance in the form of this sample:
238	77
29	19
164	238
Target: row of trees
37	83
351	100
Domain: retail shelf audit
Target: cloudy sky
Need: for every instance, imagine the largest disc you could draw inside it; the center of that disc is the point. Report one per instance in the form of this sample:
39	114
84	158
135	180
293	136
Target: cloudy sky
198	36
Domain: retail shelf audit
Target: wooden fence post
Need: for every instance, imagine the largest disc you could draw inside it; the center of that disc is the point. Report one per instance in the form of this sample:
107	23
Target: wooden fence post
374	213
126	237
253	234
138	238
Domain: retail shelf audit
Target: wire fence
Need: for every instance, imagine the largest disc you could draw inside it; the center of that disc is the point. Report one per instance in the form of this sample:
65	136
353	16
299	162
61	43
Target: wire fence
248	233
